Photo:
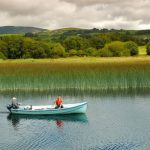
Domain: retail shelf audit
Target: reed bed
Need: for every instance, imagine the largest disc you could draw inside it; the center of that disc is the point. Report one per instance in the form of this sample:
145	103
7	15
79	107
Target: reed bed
76	74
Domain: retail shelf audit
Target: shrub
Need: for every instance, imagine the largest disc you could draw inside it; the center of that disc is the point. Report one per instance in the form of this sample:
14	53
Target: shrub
104	52
66	55
57	50
4	48
73	52
91	52
81	53
2	56
117	48
27	55
132	47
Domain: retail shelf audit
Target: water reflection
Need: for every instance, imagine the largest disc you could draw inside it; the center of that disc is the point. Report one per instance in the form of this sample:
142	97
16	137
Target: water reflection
76	92
59	123
59	120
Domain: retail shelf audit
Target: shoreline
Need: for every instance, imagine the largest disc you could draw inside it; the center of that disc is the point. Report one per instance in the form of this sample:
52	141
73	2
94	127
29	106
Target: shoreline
80	60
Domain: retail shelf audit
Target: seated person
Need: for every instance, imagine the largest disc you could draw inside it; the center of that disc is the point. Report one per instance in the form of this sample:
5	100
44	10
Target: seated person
58	102
14	103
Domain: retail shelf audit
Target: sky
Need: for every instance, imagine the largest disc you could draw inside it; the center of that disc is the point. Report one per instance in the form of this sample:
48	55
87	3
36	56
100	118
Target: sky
54	14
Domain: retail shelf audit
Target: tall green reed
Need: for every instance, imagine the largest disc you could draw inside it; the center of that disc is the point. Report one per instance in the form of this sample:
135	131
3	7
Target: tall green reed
77	76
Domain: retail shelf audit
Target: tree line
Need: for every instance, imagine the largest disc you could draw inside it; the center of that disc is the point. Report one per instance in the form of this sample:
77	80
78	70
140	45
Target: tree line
14	47
19	47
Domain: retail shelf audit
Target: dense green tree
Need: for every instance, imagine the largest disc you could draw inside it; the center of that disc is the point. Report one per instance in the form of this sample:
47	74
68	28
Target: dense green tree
34	49
133	47
26	46
14	47
3	48
2	56
75	42
97	42
42	49
37	51
117	48
57	50
148	48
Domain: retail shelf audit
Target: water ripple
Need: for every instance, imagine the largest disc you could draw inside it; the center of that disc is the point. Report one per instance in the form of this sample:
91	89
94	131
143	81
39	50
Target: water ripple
120	146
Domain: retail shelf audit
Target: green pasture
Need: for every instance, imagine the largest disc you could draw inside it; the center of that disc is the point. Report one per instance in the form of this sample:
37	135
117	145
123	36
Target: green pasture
142	50
8	35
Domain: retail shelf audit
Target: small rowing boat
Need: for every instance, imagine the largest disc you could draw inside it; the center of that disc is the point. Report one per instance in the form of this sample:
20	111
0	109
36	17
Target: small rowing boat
49	109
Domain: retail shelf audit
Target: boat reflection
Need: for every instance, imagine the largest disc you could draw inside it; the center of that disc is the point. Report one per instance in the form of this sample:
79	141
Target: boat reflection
16	119
59	123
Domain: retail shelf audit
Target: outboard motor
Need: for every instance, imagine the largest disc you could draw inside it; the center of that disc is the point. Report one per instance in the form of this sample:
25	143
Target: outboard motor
14	106
9	107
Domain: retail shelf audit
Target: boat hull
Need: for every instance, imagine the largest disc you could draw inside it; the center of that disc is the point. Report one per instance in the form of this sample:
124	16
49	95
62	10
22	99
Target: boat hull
49	110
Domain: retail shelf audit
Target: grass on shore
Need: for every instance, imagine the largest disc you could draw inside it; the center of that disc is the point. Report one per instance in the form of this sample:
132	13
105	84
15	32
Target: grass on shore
74	60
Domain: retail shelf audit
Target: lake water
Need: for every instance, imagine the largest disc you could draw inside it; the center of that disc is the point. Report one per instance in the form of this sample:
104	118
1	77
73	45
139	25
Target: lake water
112	122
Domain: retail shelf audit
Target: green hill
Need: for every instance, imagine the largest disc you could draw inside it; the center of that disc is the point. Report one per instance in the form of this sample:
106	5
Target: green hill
61	34
19	30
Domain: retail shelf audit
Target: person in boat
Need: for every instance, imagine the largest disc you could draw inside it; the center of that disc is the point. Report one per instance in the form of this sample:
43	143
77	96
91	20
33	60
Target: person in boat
58	102
15	105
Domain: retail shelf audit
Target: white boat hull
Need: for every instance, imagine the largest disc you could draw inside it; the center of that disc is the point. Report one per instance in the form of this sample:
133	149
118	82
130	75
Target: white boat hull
50	110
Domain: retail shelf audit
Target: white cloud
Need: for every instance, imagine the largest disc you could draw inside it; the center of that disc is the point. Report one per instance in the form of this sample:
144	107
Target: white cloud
76	13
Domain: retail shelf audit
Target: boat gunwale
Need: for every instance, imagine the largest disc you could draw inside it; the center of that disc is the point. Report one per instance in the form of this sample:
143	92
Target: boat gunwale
65	110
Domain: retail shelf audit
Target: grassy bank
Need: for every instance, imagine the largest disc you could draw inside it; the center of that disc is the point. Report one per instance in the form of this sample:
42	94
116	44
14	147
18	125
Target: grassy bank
75	73
142	50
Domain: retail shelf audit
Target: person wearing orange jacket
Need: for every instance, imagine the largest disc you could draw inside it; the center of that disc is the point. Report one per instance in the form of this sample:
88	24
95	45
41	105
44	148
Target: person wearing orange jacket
58	102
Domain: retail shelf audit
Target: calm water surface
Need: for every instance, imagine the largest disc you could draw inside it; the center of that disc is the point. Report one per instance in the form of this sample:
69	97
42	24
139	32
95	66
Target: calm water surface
112	122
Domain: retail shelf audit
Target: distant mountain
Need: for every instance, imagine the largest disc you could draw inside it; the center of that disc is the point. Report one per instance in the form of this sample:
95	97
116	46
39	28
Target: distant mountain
20	30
